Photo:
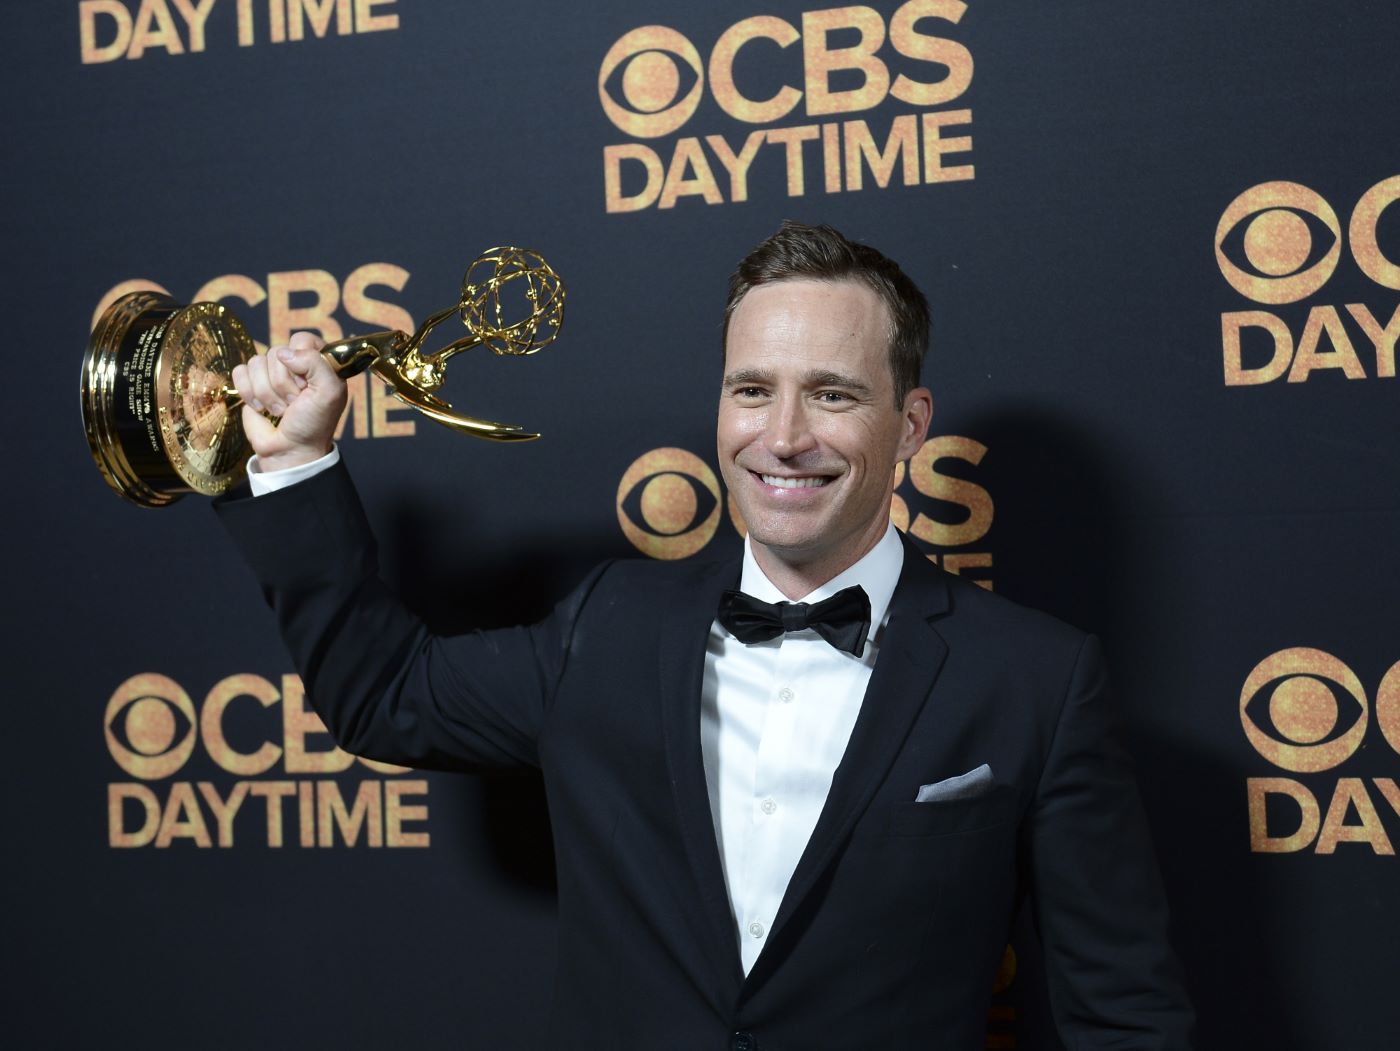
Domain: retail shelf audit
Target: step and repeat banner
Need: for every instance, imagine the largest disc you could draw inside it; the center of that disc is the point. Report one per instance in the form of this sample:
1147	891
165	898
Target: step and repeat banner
1162	248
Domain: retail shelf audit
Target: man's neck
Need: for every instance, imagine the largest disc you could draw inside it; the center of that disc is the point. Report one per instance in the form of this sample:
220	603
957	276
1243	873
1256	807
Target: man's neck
796	579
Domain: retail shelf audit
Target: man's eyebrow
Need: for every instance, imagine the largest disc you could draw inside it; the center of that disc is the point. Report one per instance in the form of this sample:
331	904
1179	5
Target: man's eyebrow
814	378
739	377
836	379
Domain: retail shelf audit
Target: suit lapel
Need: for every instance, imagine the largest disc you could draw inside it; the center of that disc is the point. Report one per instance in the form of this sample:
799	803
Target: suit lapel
911	656
685	631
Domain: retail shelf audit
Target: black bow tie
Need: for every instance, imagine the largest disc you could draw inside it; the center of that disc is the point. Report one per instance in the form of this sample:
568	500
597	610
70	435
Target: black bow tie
843	620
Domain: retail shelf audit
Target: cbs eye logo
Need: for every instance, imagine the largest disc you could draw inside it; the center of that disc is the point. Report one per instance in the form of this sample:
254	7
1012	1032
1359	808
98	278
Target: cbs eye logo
1283	240
668	503
642	65
1313	695
143	723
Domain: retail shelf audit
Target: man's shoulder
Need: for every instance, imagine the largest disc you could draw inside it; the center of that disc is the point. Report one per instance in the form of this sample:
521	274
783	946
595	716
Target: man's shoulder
684	576
995	621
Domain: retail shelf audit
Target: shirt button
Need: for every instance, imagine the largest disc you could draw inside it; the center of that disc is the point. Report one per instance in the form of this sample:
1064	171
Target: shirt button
756	929
768	806
785	695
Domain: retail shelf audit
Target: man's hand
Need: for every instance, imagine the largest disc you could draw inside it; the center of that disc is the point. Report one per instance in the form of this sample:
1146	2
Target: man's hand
295	383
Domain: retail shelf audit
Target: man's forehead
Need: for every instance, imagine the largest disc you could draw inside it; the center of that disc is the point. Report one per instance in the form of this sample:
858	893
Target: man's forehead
836	326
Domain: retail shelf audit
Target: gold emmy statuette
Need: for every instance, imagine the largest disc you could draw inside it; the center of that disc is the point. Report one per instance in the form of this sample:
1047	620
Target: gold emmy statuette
162	417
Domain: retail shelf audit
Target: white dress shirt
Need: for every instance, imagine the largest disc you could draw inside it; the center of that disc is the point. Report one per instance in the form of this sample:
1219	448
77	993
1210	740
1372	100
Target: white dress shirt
264	482
775	718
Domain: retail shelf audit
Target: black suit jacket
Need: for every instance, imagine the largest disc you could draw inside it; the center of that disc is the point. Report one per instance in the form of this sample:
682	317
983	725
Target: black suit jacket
895	919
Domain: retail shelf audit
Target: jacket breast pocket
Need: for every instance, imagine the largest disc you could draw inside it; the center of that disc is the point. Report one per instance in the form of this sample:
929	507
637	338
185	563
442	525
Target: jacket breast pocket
997	807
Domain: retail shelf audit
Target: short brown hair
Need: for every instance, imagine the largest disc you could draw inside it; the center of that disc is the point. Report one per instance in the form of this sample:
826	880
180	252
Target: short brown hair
823	254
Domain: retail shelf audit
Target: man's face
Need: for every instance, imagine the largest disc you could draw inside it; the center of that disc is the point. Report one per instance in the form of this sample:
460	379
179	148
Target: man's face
809	434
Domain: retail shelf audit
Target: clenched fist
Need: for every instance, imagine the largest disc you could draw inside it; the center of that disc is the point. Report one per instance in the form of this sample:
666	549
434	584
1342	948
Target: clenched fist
296	384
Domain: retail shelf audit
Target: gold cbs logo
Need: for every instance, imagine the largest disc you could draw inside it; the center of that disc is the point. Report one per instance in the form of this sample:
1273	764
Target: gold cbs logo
1292	241
675	497
151	727
661	77
1278	240
1304	710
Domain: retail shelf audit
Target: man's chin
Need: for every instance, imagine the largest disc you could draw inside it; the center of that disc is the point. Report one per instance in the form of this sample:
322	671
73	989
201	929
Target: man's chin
794	547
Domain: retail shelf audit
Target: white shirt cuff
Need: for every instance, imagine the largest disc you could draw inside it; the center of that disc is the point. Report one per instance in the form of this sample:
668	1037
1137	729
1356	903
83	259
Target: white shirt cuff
264	482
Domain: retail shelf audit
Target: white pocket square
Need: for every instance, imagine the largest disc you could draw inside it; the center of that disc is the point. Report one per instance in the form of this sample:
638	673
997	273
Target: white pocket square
964	786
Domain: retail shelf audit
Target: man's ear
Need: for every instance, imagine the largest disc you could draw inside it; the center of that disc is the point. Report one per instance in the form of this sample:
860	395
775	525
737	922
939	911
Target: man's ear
917	414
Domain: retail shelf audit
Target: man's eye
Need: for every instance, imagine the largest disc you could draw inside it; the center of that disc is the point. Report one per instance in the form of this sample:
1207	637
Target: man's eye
749	392
832	397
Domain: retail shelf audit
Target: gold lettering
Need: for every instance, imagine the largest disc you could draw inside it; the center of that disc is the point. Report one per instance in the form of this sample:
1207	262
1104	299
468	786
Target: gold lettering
737	166
923	472
283	319
792	139
1351	790
395	813
245	23
820	62
831	156
361	307
722	70
956	561
1388	707
118	835
366	814
1362	233
318	12
189	826
276	25
211	725
88	48
224	810
306	813
1390	792
689	156
367	22
1309	359
903	140
1236	374
356	407
154	28
298	722
1384	339
935	146
613	156
273	792
195	17
1260	842
913	44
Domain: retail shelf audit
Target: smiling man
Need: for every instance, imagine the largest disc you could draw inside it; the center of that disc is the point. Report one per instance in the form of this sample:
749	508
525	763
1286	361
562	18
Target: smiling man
797	813
811	425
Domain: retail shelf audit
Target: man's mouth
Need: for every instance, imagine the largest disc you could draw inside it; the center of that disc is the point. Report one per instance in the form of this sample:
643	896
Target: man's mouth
809	482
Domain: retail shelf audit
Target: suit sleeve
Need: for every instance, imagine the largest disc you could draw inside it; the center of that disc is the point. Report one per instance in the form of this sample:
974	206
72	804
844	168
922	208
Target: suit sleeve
385	686
1098	900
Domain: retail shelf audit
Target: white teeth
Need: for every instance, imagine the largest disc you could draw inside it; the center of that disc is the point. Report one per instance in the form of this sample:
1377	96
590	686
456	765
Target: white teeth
792	483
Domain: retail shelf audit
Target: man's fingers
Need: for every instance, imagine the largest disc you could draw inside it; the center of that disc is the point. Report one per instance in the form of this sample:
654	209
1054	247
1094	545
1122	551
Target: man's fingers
283	381
306	341
243	381
264	395
304	361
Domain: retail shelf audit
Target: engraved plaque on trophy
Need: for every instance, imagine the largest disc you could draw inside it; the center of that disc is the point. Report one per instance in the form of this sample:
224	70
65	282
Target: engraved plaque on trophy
163	420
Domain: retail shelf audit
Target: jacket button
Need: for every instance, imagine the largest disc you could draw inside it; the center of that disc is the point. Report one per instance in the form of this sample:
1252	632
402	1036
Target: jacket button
742	1041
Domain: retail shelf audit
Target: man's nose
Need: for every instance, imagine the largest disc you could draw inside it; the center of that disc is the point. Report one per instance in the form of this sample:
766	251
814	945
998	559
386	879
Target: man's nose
789	429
